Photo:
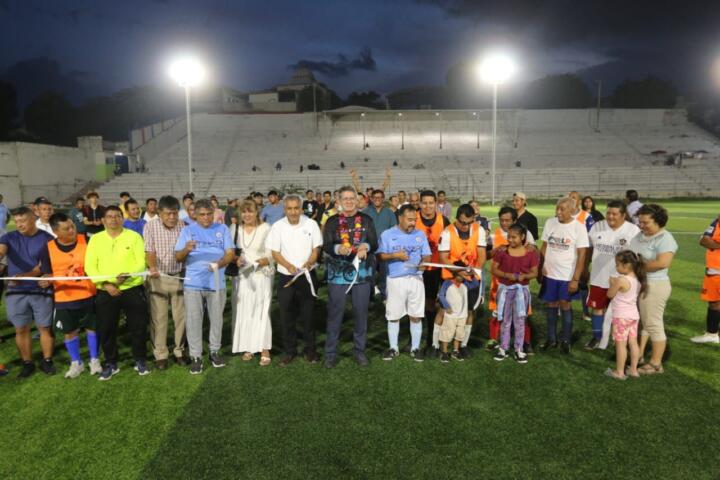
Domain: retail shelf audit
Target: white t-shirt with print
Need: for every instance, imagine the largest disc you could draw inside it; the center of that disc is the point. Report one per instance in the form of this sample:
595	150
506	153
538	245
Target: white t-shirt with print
606	243
562	240
294	242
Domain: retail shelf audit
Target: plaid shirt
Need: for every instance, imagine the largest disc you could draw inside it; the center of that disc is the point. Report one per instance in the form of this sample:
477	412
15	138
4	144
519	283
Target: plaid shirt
161	241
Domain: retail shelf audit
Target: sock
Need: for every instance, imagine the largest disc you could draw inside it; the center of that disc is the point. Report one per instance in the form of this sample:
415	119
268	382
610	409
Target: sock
73	348
597	324
567	322
552	318
393	333
415	335
713	321
466	338
436	336
92	342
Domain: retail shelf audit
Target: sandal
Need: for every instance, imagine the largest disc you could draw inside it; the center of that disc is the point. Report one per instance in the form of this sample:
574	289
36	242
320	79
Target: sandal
265	361
613	374
650	369
247	356
628	374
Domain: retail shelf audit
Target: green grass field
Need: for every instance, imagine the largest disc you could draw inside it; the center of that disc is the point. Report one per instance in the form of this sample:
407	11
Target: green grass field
556	417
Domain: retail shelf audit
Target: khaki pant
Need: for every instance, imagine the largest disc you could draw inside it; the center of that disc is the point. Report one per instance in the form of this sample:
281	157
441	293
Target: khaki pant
164	293
452	329
652	309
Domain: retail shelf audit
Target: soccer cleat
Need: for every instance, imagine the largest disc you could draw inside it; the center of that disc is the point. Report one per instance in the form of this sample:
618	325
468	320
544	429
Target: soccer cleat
196	366
456	355
444	357
390	354
491	345
417	355
28	369
592	344
521	357
565	348
432	352
47	366
76	368
216	360
141	368
465	352
706	338
95	366
108	372
500	355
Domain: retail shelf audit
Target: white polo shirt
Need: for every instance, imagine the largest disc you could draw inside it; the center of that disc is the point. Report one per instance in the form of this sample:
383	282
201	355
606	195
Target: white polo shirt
294	242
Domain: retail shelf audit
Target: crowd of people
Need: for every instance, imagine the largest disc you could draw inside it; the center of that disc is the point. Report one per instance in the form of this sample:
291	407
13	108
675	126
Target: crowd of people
85	270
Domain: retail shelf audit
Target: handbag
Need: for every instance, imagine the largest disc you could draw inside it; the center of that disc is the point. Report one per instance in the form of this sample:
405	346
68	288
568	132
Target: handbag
232	269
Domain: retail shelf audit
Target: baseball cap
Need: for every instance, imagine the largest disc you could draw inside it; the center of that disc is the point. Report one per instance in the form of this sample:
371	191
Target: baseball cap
40	200
520	195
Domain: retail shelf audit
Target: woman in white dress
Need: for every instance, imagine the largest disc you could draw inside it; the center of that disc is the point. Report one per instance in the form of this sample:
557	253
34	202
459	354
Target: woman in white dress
252	332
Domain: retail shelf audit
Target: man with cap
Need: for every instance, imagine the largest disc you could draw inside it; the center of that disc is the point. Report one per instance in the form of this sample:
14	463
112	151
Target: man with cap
274	210
525	218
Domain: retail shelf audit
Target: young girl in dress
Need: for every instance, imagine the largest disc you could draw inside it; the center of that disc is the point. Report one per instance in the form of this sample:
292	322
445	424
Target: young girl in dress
625	288
514	267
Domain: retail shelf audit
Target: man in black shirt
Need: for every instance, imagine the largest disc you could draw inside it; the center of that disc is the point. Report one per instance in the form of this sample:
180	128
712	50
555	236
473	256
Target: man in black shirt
310	206
525	218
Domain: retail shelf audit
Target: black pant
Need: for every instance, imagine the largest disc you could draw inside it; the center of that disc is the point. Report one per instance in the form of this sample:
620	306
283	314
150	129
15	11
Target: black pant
134	303
296	301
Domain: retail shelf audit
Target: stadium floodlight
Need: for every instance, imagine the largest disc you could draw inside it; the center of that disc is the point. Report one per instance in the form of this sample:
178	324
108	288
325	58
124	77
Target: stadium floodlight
437	114
362	116
478	131
188	72
495	69
402	131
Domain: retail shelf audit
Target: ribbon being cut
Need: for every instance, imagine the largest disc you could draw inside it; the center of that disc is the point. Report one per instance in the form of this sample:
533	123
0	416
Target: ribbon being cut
306	273
477	271
143	274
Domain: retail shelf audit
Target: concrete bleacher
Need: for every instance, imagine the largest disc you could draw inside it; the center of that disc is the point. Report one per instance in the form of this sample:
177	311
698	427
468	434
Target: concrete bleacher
557	151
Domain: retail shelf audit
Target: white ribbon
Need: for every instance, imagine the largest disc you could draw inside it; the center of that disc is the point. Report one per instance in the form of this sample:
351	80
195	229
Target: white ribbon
607	325
144	274
356	266
478	272
306	273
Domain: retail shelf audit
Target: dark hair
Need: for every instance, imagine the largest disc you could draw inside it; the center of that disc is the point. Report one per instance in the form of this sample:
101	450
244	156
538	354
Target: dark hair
309	191
16	212
42	201
124	194
405	208
57	218
273	192
130	201
427	193
188	195
204	203
327	192
151	199
658	213
78	199
168	202
592	207
520	229
257	194
617	204
92	194
465	210
629	257
376	191
401	191
632	195
506	210
441	191
112	208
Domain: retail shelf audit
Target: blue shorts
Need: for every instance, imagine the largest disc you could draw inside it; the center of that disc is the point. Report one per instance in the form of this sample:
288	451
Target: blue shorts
554	290
23	308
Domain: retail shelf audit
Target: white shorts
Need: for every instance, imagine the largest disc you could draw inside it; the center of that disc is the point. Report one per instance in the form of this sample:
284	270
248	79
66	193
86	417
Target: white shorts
405	296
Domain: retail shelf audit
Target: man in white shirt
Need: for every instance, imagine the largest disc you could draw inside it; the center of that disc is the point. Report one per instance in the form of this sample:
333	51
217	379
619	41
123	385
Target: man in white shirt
633	205
151	207
295	242
565	244
607	238
44	210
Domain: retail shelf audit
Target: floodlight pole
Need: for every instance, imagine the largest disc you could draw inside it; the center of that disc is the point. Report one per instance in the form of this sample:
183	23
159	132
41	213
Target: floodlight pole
362	115
494	139
402	132
189	137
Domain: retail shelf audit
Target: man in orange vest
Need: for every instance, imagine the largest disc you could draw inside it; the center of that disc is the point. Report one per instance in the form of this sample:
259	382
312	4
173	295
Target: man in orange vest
711	284
506	216
464	243
432	224
74	299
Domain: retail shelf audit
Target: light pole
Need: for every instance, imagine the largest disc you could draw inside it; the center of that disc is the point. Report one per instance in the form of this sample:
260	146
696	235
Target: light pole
495	70
362	116
402	132
188	73
478	130
437	115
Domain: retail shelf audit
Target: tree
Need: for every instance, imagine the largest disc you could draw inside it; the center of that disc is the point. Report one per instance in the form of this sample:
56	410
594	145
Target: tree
51	117
558	91
650	92
8	108
365	99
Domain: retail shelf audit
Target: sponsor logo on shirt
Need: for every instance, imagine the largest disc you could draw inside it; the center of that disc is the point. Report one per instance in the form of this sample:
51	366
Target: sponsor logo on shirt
559	243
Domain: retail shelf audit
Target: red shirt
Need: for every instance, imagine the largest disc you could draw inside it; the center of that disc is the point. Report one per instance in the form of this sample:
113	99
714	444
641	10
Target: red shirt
509	264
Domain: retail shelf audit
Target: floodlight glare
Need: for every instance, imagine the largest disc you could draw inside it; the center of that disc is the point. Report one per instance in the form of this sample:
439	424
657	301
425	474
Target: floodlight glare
496	69
188	72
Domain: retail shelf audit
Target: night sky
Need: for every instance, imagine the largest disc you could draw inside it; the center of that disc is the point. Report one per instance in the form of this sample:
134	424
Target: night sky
103	46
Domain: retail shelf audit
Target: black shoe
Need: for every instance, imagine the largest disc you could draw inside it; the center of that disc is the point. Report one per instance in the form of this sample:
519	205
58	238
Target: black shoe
565	348
465	352
216	360
47	366
161	364
521	357
456	355
592	344
390	354
500	355
181	361
444	357
417	355
196	366
432	352
331	362
528	349
361	359
548	346
28	369
312	357
491	345
287	360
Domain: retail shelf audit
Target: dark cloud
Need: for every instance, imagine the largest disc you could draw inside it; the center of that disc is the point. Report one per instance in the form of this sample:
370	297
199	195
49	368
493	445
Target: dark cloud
342	67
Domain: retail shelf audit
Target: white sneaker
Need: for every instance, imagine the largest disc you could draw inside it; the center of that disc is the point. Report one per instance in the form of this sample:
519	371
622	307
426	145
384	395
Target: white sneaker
706	338
95	366
76	368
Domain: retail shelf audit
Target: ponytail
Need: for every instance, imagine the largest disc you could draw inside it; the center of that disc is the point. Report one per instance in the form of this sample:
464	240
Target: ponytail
638	267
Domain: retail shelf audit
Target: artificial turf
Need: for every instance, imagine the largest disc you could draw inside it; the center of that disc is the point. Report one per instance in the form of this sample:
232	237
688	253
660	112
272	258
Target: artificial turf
556	417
